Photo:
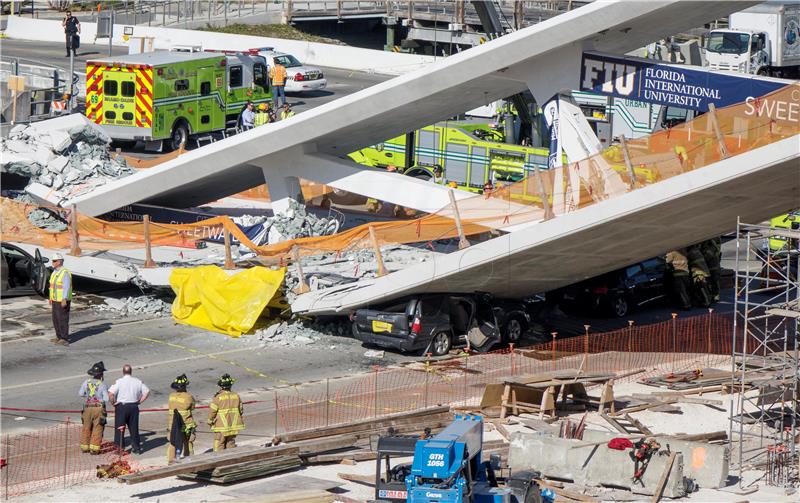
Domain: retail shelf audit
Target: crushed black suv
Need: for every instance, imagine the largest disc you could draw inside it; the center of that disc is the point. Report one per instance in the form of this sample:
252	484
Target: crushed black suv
434	323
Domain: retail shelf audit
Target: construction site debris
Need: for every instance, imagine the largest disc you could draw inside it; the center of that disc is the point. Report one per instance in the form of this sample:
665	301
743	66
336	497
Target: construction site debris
246	470
553	457
68	155
332	269
300	332
294	223
211	460
374	353
147	305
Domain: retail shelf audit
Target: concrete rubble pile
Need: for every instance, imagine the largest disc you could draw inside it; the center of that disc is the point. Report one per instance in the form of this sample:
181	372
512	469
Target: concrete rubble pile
42	218
295	223
327	270
145	305
63	157
301	333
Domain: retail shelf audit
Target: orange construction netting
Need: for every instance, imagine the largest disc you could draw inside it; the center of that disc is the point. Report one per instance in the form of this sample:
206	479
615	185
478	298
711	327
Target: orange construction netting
692	145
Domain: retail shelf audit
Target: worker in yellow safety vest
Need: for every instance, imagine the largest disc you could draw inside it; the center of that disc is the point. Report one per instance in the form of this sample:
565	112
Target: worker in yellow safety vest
263	115
180	423
277	74
788	221
225	416
287	111
60	299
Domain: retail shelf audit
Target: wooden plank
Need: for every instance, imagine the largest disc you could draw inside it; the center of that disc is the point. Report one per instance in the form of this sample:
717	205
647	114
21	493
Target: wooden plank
613	422
367	480
637	408
644	429
366	424
664	476
246	471
301	496
704	437
341	457
209	461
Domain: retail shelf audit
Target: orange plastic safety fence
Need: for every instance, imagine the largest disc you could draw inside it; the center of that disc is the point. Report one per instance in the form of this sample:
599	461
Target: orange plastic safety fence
673	346
51	458
659	156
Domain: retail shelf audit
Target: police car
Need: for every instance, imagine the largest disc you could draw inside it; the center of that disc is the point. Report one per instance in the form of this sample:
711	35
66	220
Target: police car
299	77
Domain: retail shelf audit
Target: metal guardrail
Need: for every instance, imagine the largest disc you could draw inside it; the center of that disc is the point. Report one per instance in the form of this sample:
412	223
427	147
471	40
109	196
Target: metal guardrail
181	13
44	83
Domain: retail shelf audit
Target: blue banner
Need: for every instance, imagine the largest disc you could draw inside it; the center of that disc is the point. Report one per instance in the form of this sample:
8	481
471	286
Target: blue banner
674	85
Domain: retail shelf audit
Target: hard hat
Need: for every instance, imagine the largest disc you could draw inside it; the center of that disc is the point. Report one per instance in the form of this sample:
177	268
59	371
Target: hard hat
452	184
57	256
180	382
262	106
226	381
97	368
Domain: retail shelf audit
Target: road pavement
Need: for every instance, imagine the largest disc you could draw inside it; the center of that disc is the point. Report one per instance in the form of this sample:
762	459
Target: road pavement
340	82
37	374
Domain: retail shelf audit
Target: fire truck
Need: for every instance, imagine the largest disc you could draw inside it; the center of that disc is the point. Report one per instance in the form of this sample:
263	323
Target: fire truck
166	98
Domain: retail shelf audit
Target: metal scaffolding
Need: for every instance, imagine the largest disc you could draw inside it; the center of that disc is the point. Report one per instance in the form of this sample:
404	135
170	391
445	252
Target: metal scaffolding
764	411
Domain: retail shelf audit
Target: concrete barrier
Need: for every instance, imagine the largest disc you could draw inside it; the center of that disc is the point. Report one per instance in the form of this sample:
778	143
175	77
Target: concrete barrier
591	465
313	53
708	464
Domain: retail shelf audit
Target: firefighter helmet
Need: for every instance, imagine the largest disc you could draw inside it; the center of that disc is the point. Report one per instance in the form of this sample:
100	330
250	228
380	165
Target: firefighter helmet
97	368
226	381
180	382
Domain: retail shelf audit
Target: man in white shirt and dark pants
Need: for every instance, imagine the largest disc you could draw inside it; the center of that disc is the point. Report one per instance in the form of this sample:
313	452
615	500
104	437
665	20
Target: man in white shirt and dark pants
126	394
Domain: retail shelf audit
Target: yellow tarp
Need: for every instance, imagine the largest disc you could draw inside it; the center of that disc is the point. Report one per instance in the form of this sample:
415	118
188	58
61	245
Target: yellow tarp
207	297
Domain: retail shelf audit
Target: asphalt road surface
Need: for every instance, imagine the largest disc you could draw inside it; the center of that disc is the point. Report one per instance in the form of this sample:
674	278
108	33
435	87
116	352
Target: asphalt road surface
340	82
37	374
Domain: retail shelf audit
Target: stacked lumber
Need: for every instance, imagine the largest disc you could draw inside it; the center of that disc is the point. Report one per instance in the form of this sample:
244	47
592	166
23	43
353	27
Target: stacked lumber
246	470
291	450
402	422
211	460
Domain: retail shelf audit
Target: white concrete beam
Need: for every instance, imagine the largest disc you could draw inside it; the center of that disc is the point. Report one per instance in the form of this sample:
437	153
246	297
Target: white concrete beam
673	213
461	82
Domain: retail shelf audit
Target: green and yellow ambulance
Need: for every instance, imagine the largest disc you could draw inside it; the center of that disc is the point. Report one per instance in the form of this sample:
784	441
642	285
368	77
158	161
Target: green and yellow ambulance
169	97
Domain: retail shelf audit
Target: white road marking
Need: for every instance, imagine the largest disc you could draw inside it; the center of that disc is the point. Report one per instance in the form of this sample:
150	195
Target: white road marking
136	367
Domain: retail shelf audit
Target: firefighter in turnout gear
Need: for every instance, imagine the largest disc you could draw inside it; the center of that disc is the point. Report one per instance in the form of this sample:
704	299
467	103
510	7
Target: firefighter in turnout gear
180	423
712	252
701	291
93	416
225	416
680	284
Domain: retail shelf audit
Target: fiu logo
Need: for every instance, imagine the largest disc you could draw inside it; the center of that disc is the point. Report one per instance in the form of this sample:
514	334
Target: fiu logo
608	77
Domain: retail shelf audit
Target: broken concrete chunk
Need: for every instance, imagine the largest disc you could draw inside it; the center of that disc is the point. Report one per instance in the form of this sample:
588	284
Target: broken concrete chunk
59	141
145	305
58	164
19	128
43	194
68	155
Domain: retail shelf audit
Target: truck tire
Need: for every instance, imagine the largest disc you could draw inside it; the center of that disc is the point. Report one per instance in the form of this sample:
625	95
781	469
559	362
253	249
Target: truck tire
180	134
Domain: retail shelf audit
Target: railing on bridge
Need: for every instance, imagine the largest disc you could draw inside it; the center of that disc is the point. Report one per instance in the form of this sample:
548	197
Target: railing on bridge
44	84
